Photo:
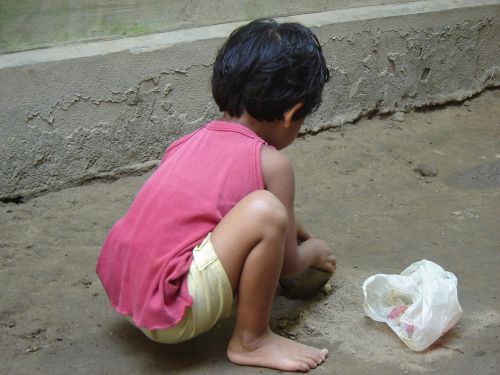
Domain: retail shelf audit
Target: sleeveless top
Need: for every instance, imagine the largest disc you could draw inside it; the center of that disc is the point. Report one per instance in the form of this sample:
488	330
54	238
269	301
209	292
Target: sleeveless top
147	253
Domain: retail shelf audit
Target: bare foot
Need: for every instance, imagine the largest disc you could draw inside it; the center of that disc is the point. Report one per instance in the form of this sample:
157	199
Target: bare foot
276	352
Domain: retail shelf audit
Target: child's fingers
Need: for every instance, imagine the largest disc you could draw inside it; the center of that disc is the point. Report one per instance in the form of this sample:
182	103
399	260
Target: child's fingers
330	267
326	266
332	259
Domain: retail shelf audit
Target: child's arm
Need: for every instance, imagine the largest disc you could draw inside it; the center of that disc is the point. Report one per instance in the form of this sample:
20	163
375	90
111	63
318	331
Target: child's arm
302	234
279	180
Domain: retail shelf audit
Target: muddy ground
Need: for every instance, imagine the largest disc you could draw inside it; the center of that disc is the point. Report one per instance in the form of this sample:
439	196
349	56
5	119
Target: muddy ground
357	188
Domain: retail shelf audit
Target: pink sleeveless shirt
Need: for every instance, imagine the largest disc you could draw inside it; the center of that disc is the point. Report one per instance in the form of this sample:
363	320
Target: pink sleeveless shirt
145	258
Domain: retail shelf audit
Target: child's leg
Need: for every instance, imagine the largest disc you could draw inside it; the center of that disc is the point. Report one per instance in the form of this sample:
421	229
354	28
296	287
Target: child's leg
249	242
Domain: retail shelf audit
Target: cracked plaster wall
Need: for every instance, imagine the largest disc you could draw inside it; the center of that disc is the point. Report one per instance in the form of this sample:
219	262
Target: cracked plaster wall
66	122
382	66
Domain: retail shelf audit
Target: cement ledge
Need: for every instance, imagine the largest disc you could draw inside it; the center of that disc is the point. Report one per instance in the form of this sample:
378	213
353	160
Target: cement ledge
148	43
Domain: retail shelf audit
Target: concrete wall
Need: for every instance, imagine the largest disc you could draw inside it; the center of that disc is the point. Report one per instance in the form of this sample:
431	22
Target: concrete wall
73	114
26	24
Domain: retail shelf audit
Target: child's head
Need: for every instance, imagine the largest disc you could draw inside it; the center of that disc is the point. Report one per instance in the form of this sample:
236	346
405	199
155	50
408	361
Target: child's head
265	68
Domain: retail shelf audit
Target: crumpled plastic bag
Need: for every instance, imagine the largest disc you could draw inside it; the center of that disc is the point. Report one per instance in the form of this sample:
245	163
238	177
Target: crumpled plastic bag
420	305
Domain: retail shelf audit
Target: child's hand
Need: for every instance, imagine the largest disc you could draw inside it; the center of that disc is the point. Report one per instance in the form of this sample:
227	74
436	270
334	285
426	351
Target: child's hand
324	258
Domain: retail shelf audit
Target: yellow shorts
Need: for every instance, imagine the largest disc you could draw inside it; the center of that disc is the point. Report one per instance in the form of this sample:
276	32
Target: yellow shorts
212	295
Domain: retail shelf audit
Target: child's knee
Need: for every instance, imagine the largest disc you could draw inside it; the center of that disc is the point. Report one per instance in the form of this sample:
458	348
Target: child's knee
268	209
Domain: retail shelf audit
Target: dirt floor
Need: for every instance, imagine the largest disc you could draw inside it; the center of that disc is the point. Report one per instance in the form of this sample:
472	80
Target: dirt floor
356	188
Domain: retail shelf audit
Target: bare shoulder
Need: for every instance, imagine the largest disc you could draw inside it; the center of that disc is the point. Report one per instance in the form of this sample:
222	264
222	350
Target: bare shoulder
277	171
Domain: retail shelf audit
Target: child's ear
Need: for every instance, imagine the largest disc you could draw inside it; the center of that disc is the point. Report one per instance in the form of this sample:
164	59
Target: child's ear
288	115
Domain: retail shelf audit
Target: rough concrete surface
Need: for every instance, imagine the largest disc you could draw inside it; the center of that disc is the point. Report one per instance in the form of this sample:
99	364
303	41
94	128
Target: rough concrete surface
73	119
357	188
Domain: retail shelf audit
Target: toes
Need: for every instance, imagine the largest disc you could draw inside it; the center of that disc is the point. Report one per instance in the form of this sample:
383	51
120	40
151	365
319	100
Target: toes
318	356
302	366
311	363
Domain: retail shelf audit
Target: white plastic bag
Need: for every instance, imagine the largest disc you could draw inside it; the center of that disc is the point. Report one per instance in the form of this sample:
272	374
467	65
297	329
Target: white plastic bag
420	305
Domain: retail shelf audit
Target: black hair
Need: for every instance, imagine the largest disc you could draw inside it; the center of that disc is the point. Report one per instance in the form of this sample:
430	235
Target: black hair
266	68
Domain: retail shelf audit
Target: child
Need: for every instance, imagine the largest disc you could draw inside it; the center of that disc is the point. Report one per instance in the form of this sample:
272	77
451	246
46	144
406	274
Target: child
216	218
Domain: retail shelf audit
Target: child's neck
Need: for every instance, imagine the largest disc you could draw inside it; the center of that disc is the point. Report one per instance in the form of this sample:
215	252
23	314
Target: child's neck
258	127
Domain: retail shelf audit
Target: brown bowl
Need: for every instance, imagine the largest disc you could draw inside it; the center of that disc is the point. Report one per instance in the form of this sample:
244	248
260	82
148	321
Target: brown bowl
305	284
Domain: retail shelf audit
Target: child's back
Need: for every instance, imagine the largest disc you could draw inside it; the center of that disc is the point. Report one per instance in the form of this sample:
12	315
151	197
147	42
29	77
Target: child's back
201	177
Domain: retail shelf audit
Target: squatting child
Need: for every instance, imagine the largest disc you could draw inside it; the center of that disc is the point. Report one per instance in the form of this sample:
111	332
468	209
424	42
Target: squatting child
216	219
